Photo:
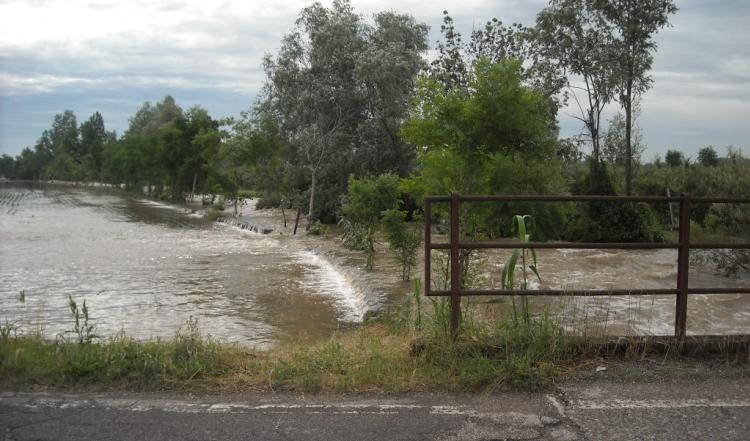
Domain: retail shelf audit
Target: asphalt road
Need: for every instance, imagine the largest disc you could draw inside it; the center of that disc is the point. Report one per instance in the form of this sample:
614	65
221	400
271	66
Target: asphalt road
717	410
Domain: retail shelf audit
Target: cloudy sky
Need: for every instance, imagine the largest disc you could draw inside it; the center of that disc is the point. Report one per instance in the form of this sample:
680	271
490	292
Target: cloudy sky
112	56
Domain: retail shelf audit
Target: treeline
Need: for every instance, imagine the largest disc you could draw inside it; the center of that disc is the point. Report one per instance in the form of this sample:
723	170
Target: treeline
165	149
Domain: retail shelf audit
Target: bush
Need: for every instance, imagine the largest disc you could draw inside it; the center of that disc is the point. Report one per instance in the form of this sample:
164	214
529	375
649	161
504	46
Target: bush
362	209
611	221
403	239
268	201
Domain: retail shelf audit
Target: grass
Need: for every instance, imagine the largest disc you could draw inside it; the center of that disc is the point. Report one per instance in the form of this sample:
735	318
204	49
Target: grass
388	355
407	349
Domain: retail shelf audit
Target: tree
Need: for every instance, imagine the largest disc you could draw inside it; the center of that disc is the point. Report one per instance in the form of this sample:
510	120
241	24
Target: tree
495	137
614	147
7	167
571	33
495	42
674	158
633	24
339	89
64	135
93	138
708	157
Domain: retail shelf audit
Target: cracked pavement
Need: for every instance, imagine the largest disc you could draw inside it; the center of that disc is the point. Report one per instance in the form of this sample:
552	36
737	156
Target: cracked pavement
716	410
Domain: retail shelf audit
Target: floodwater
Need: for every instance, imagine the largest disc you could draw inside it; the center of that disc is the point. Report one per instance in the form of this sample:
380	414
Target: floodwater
569	269
146	268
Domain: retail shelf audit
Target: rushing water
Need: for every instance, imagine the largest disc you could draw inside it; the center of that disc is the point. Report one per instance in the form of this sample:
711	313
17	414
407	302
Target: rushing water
630	269
147	268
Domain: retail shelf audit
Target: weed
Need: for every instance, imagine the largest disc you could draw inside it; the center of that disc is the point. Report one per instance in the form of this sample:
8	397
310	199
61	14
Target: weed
83	331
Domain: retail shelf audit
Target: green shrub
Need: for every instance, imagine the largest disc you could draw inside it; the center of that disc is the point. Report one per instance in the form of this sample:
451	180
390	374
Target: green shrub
404	240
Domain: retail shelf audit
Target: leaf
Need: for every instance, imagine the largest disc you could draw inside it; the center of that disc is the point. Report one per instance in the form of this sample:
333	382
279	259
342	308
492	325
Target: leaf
509	270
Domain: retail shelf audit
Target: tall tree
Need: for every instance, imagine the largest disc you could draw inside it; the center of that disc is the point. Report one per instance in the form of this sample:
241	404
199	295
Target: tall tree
633	24
573	34
93	138
339	88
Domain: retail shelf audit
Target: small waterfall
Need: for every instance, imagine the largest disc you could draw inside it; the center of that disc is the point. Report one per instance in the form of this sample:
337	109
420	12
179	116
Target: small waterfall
329	279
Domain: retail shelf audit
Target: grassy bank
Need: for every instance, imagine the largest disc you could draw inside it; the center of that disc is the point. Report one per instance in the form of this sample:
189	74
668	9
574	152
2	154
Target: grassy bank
406	350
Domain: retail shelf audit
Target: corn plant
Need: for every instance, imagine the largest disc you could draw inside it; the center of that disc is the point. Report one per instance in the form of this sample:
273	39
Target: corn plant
508	276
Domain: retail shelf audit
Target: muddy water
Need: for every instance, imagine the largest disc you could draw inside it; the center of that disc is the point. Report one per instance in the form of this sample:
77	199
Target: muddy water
630	269
146	268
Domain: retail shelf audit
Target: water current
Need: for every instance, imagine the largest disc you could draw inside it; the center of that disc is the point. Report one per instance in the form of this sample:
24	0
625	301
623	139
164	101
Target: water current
146	268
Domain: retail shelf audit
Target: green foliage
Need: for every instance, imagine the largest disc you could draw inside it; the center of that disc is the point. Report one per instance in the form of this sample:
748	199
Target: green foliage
528	263
708	157
362	210
610	221
499	138
339	89
403	239
674	158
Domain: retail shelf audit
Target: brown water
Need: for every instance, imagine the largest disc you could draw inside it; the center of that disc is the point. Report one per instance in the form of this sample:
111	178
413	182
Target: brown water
147	268
630	269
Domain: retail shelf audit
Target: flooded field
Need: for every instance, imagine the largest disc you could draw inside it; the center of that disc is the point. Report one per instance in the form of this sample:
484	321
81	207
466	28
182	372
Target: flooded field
146	268
569	269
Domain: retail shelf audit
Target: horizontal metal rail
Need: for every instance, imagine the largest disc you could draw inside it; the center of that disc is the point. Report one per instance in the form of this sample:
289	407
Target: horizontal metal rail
587	292
588	245
683	247
589	198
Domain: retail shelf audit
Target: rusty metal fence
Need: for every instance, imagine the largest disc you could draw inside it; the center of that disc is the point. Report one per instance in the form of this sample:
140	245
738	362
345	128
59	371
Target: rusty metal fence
683	247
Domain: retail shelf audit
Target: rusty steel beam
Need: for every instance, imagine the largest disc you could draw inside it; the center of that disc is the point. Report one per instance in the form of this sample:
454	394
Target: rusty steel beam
455	267
557	292
559	245
683	269
427	246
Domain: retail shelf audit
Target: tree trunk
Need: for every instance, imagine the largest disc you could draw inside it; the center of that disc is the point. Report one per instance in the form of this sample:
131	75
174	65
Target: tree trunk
628	103
296	221
192	191
312	199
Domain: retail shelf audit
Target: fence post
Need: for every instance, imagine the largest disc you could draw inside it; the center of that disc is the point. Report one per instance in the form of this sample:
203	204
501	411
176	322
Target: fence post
683	268
427	247
455	267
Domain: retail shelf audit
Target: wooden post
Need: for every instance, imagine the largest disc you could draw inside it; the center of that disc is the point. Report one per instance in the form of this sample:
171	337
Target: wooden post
683	269
455	268
427	245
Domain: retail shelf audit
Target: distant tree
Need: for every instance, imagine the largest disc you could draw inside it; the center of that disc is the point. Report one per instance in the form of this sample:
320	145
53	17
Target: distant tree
674	158
7	166
632	24
64	136
614	146
93	138
708	157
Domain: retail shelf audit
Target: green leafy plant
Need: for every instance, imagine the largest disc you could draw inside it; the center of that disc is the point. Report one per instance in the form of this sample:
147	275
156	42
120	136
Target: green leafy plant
362	209
508	276
403	239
